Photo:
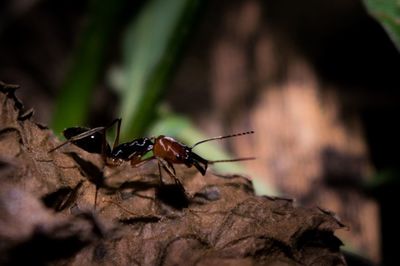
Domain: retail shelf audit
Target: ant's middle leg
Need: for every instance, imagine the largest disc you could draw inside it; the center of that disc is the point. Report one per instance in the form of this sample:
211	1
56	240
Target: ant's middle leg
136	162
116	140
104	154
104	141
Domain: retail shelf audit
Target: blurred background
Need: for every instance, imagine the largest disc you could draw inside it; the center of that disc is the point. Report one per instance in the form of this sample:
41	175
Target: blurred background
318	81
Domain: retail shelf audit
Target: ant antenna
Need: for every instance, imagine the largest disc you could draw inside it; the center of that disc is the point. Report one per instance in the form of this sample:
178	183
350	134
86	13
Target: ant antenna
232	160
223	137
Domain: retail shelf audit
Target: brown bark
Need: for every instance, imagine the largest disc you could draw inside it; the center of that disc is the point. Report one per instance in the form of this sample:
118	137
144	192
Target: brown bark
47	216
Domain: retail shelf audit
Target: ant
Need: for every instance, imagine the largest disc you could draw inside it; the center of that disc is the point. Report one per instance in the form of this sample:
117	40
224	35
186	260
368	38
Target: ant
166	150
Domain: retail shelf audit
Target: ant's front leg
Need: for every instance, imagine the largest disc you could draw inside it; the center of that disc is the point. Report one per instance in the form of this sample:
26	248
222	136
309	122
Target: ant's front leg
169	168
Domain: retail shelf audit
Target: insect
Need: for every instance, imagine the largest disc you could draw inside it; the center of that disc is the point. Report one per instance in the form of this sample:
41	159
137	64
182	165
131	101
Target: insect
166	150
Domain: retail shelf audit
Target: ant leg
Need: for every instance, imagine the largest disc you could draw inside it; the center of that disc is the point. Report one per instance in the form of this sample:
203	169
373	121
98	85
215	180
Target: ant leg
104	141
104	154
136	163
169	168
121	207
104	147
159	171
118	121
176	180
116	141
138	215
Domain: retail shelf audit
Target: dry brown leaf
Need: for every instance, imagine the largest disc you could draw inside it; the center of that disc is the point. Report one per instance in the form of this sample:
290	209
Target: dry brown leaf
47	215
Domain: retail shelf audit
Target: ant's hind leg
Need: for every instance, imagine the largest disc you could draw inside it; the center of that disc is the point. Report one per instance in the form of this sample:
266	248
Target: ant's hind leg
118	121
159	173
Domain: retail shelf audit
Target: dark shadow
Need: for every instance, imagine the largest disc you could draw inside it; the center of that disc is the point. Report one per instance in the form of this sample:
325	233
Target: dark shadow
341	170
141	219
173	195
346	46
93	173
351	51
137	185
43	248
62	198
356	260
317	238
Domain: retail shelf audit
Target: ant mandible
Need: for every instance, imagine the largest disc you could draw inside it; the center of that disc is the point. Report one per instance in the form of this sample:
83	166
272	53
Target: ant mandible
166	150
